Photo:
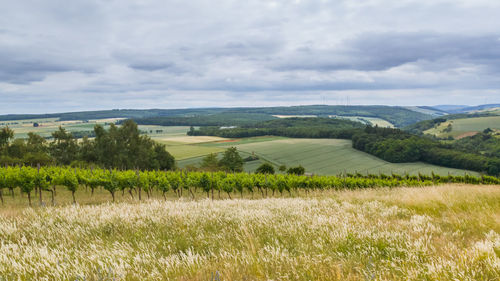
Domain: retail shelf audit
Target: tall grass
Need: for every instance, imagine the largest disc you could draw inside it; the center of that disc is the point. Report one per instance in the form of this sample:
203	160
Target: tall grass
434	233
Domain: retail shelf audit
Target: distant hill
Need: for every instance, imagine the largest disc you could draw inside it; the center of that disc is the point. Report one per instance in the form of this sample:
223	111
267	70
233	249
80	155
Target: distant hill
458	125
398	116
454	109
428	110
449	107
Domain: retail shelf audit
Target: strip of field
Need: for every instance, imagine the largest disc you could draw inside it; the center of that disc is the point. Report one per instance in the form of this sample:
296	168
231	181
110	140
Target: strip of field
432	233
373	121
235	142
185	151
49	125
331	156
188	139
295	116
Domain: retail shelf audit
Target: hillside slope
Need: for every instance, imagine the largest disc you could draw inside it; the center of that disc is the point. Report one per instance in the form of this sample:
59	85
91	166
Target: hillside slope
325	157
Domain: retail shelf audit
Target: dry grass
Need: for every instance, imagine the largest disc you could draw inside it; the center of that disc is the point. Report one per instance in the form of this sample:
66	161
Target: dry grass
436	233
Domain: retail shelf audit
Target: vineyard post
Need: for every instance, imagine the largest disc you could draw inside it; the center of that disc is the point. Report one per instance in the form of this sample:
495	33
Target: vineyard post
21	192
1	190
181	187
190	187
6	166
265	185
39	187
138	183
212	185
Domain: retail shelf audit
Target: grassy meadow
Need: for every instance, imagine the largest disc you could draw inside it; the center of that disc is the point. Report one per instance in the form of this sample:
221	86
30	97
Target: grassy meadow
465	127
449	232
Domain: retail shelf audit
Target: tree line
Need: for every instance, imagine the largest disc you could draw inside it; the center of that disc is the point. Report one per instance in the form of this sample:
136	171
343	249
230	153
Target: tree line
397	146
287	127
119	147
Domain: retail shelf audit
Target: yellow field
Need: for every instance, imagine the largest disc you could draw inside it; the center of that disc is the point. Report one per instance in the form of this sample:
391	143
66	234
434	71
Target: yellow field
449	232
184	151
188	139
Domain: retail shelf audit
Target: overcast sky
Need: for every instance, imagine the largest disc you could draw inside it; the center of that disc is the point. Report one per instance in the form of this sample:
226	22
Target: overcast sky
84	54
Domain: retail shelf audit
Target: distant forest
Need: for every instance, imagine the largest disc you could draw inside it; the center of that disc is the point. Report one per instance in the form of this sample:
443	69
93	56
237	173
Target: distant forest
288	127
399	116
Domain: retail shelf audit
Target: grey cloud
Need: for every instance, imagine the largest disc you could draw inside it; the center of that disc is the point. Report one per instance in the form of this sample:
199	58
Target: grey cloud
381	51
246	51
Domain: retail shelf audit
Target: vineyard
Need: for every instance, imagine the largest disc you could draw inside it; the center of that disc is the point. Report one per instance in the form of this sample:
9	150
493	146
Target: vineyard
143	184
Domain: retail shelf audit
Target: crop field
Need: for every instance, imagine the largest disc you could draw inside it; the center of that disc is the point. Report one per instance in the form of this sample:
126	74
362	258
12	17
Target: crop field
188	139
333	156
48	125
466	126
183	151
373	121
449	232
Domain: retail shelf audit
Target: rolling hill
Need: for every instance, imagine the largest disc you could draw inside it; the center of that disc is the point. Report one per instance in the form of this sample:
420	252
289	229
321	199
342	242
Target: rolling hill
398	116
454	109
320	156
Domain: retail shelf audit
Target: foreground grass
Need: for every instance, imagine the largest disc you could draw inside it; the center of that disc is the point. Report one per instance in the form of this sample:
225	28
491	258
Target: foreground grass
434	233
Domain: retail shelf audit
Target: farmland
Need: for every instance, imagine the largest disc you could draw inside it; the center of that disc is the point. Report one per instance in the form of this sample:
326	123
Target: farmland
174	137
465	126
372	121
325	156
48	125
448	232
318	156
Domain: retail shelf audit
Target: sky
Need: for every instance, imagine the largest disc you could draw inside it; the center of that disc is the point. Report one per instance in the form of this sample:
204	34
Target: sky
60	56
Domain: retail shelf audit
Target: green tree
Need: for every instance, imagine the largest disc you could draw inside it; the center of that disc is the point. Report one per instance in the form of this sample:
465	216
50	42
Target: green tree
265	168
64	148
6	134
231	160
17	149
210	162
282	168
163	158
299	170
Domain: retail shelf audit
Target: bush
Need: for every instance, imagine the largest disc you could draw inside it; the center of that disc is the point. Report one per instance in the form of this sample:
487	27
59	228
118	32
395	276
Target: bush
265	168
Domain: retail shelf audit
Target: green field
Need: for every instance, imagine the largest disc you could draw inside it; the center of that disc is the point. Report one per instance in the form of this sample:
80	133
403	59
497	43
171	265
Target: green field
184	151
465	126
325	157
